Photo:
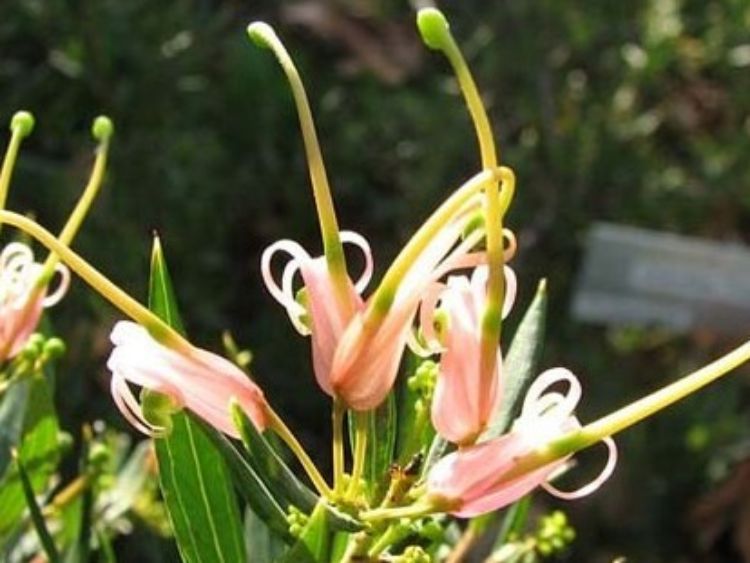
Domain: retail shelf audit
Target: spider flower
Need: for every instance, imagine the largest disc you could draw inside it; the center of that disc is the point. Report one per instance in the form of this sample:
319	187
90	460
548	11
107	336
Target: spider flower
315	310
22	299
193	378
367	358
464	398
481	478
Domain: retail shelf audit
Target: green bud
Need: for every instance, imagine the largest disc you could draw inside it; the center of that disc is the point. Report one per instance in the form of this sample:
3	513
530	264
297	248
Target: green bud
261	34
158	409
433	27
99	454
23	122
103	128
54	348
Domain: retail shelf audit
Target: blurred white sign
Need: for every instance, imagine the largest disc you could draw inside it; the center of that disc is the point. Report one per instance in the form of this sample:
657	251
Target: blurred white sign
633	276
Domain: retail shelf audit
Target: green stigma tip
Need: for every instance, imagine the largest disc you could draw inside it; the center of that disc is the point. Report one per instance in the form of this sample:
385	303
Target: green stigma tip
261	34
102	128
22	121
433	27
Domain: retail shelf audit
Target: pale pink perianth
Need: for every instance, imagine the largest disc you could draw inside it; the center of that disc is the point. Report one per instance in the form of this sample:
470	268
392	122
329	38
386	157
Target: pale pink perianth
21	301
366	361
474	480
320	313
464	401
198	380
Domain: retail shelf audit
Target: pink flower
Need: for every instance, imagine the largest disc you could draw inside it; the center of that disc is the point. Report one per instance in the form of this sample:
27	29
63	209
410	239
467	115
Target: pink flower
317	312
366	361
195	379
463	401
474	480
21	300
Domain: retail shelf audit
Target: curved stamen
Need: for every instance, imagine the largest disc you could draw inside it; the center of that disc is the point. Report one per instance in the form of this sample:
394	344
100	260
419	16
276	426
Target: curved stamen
102	130
21	125
158	329
595	483
264	36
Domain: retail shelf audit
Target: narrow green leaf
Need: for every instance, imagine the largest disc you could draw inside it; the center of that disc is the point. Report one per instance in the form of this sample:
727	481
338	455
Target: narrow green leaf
45	538
194	480
265	545
314	543
269	464
381	443
28	403
251	485
514	521
522	362
274	472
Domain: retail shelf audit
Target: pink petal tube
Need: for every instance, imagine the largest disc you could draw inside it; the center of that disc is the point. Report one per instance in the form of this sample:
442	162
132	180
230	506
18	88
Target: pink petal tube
474	480
20	307
464	401
199	381
326	318
366	361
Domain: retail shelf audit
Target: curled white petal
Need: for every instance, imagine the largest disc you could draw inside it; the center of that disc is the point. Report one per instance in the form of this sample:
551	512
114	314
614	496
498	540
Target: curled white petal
284	294
62	287
360	242
564	405
597	482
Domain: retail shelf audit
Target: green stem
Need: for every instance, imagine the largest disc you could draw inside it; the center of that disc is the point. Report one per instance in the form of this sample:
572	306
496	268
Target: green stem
338	444
360	451
276	423
423	507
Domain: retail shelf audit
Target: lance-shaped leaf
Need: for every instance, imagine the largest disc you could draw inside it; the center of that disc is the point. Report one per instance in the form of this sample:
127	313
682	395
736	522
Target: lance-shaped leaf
265	545
194	480
285	485
251	485
522	362
381	442
40	526
29	423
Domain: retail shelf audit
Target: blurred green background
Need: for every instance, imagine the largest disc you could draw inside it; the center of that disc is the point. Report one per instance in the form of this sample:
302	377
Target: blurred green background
636	112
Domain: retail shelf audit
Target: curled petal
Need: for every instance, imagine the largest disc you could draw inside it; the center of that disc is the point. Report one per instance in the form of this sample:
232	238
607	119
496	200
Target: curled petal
534	404
597	482
59	292
284	294
360	242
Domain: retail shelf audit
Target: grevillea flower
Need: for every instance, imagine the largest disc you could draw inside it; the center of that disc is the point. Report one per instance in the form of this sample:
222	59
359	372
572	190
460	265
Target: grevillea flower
464	399
367	358
480	478
192	378
22	299
315	310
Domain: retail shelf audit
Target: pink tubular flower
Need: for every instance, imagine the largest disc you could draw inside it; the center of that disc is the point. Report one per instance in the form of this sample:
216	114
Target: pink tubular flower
473	480
21	301
317	312
366	361
464	401
197	380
